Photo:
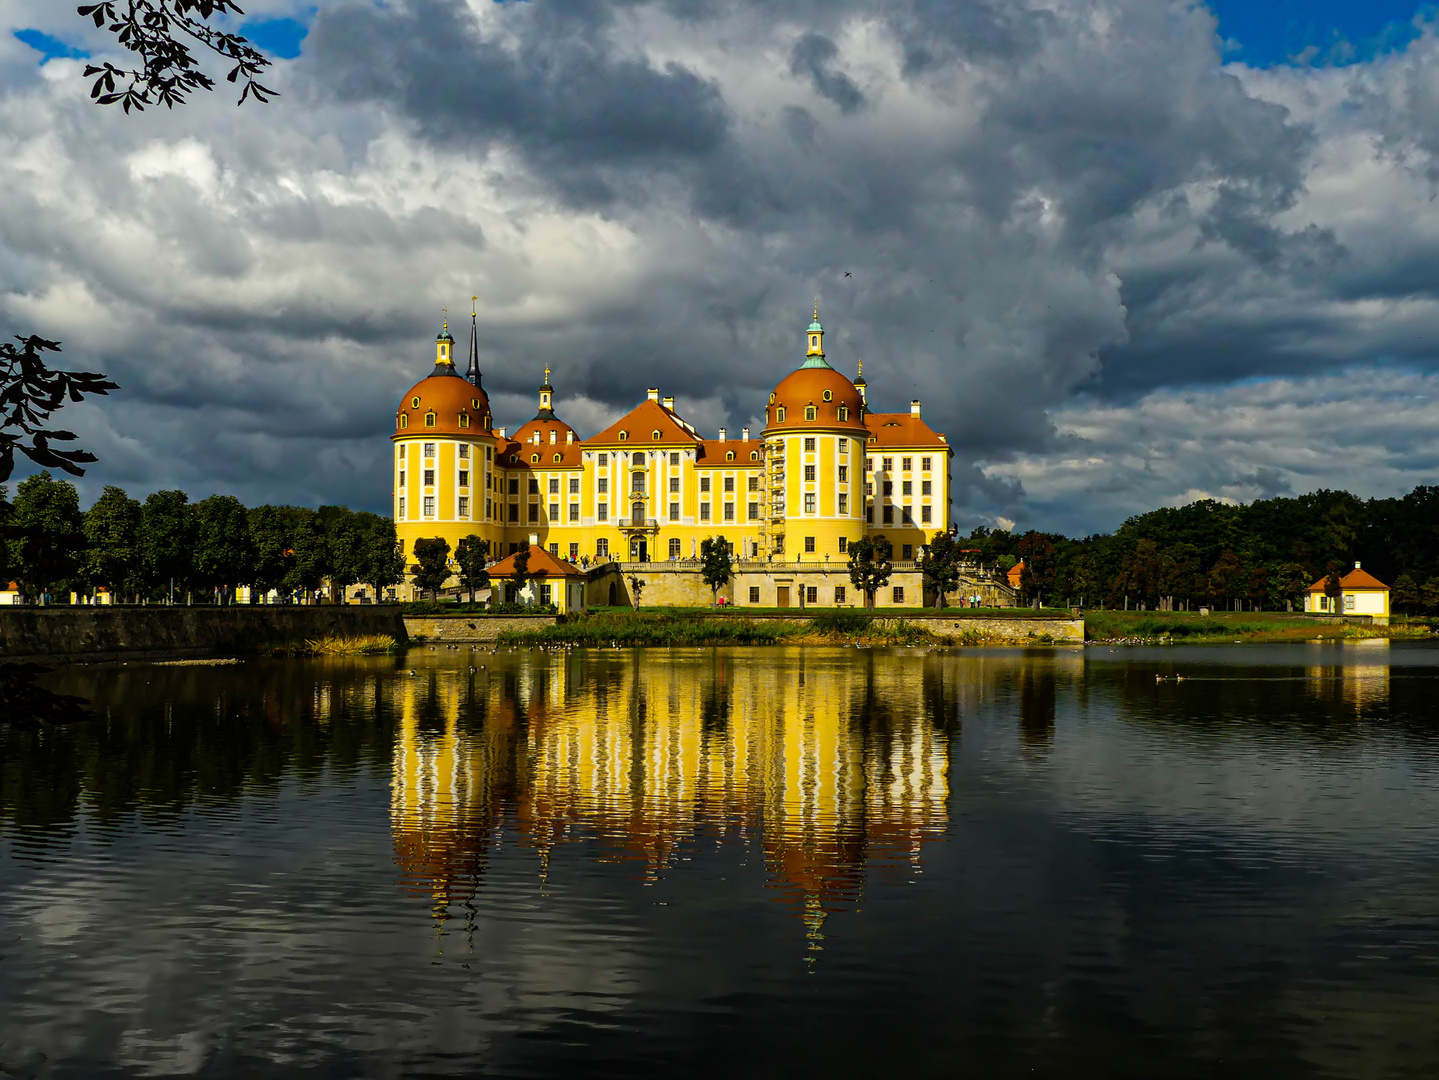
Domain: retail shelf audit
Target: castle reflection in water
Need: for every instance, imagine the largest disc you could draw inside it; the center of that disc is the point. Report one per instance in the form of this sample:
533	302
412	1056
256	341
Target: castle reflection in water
830	765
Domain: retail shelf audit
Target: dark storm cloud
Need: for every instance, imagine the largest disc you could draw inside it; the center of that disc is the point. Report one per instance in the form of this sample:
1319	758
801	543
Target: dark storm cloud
1026	215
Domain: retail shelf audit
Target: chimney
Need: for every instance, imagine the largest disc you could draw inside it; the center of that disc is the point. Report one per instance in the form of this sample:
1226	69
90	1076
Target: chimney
914	408
669	403
1356	564
569	437
745	432
554	436
724	434
500	432
653	393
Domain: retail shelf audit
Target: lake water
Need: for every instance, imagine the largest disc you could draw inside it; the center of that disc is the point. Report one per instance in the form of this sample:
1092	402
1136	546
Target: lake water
738	862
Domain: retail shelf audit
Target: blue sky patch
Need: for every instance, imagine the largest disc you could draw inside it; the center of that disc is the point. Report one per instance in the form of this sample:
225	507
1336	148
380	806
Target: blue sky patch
1270	32
50	48
278	37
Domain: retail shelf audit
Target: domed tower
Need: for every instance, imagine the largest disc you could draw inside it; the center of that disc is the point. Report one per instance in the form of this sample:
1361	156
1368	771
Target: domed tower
814	441
444	454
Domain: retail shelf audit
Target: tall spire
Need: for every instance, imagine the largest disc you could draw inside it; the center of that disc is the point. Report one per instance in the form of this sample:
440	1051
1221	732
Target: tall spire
473	374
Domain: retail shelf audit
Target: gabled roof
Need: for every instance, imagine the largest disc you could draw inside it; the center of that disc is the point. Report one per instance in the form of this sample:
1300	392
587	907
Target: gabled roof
542	564
641	423
902	429
712	453
1355	580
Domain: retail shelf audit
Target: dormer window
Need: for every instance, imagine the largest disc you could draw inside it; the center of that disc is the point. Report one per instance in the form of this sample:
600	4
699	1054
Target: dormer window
809	412
624	435
429	419
828	396
414	402
844	412
729	455
464	420
534	458
487	420
779	415
404	421
559	457
655	434
754	455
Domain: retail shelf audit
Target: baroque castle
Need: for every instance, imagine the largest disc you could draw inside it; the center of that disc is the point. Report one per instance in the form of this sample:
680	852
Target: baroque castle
824	471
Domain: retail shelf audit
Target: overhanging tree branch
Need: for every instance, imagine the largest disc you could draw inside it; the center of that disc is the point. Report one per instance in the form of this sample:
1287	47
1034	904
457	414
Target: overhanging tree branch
29	393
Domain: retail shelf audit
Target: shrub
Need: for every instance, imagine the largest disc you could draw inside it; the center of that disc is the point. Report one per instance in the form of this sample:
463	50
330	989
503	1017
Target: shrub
841	621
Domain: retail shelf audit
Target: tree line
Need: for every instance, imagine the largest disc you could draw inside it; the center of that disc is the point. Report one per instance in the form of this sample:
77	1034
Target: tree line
168	548
1262	555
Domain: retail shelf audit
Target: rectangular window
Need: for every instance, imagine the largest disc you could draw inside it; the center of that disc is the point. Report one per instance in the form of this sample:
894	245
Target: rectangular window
889	464
809	545
906	515
402	451
754	511
514	485
704	483
899	594
839	594
674	511
574	485
729	483
754	594
574	552
889	515
844	474
809	503
809	445
604	485
464	478
604	461
429	449
675	459
1349	603
924	515
926	487
534	513
888	488
534	485
674	547
515	512
674	483
402	478
554	485
554	511
811	595
869	489
602	548
729	511
844	446
704	511
754	483
907	488
809	474
547	593
464	453
464	506
906	464
844	545
869	514
429	478
402	507
637	482
779	545
843	503
602	513
924	464
555	550
429	506
907	551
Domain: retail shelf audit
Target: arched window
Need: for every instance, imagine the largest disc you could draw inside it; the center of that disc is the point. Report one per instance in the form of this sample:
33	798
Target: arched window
637	458
809	412
534	458
779	415
828	396
404	421
844	412
754	455
429	419
729	455
559	457
464	420
655	434
624	435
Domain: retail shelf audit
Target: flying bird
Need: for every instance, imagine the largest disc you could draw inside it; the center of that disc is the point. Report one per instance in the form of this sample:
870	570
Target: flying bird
848	274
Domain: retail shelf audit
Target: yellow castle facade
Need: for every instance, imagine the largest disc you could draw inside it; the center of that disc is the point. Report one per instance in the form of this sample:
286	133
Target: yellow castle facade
825	470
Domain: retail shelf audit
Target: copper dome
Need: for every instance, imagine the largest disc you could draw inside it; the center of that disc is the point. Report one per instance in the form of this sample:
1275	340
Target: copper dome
832	397
443	404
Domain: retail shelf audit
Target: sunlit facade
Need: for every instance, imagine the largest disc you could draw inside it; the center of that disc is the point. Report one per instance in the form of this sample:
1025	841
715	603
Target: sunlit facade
825	470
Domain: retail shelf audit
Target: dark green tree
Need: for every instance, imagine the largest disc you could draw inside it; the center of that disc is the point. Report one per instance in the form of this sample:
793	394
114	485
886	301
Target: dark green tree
1429	594
716	565
112	543
269	534
942	559
520	574
167	543
1037	551
224	552
871	562
50	537
637	589
344	537
1405	593
309	564
432	565
1334	589
383	564
472	554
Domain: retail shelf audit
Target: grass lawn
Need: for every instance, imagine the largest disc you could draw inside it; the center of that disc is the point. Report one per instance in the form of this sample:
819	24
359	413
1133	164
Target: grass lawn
1230	626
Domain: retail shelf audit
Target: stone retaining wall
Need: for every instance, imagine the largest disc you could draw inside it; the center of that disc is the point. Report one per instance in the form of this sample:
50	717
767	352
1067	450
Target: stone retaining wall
470	628
112	633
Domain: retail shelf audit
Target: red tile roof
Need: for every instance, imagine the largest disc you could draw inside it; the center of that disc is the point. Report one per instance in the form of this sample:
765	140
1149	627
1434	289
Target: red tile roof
559	455
712	454
901	429
641	423
542	564
1355	580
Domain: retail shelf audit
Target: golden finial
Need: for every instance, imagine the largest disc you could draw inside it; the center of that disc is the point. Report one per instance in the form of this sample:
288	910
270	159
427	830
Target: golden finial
447	317
547	374
860	374
474	303
816	309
